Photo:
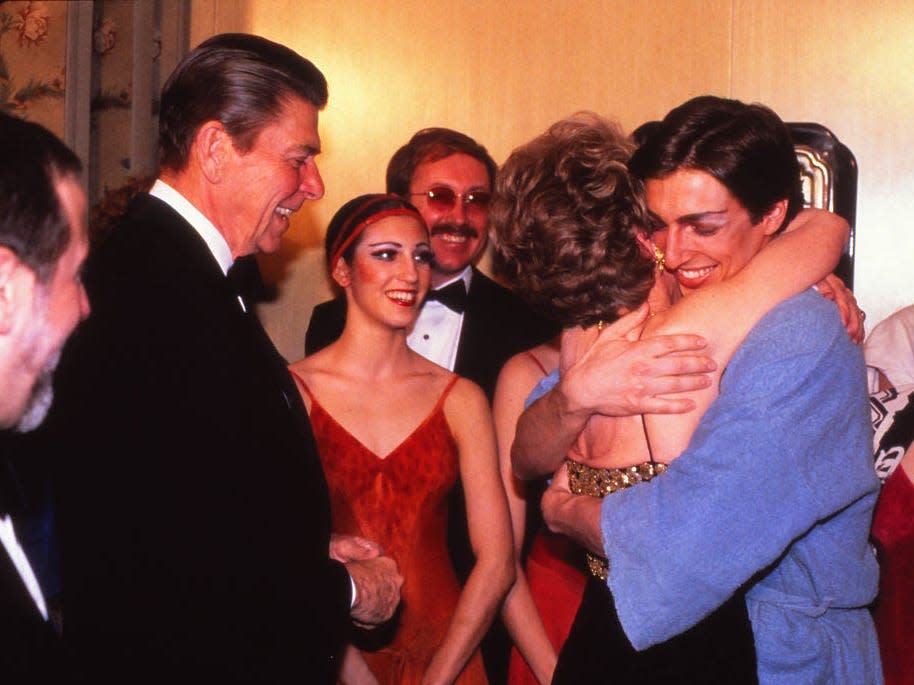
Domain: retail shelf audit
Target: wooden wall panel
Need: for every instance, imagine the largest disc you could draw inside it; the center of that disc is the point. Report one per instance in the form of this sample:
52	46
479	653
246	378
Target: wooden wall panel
499	71
503	70
846	65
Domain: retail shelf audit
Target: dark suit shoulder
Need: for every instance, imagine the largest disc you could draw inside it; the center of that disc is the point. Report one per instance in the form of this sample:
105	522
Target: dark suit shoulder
508	312
153	241
496	326
326	324
31	652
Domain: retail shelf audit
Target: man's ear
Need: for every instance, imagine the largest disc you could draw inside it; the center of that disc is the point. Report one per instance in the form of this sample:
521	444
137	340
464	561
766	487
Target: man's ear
213	147
17	289
647	245
774	217
341	273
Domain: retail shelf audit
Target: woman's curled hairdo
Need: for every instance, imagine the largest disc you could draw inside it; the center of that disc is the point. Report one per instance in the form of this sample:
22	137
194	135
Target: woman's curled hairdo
565	216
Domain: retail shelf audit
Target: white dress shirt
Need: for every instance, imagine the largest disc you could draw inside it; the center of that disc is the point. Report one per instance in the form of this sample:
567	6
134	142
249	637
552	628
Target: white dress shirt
21	562
436	333
211	236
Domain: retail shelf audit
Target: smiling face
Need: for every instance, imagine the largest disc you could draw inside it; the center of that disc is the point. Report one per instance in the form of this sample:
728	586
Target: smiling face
458	231
390	271
261	188
706	234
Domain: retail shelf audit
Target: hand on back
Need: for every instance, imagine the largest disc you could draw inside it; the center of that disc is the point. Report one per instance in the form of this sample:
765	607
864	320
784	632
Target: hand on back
611	372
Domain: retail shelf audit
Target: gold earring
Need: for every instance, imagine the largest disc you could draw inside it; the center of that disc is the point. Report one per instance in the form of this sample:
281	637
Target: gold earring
659	259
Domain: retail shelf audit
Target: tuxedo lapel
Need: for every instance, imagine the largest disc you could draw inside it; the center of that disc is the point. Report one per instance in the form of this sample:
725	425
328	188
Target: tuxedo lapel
468	347
29	650
15	596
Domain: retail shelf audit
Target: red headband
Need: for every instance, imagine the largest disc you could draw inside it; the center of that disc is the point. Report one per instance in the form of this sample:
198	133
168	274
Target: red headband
359	228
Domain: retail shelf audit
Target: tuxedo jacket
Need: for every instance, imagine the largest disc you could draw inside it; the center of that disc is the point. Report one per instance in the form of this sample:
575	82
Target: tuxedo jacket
30	652
496	326
194	513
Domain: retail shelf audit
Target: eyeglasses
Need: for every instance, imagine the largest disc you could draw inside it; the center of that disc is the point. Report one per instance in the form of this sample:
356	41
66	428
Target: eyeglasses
443	199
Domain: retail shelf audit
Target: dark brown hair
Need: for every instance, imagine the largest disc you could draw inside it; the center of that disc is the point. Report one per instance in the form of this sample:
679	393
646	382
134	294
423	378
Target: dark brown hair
241	80
345	229
745	147
565	216
430	145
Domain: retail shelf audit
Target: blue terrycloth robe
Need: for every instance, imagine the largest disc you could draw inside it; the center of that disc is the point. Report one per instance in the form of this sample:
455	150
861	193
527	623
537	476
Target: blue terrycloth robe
776	489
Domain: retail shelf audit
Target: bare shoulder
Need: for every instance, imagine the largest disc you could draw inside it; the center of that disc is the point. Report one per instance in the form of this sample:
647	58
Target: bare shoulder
316	370
465	401
301	366
467	412
466	391
309	365
537	361
435	378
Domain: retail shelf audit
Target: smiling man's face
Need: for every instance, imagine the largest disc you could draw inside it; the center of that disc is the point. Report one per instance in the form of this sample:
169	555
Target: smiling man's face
262	187
706	234
459	229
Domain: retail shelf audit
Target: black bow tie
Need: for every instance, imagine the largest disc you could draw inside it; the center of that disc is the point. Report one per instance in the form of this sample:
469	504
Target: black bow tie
453	296
246	282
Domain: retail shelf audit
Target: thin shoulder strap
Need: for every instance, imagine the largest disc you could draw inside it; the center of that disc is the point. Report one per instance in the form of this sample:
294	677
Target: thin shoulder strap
304	386
537	362
451	383
647	439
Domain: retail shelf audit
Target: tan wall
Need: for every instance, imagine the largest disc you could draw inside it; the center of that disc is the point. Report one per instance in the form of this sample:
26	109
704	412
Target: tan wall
502	71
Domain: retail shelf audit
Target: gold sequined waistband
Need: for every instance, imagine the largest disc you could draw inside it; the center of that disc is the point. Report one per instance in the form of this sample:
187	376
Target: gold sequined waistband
586	480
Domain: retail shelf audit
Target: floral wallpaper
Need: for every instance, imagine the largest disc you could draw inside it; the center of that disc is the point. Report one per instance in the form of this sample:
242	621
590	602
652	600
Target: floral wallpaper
33	78
32	61
112	94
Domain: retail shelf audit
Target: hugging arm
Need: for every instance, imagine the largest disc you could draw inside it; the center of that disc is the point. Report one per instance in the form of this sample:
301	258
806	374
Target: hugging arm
725	312
611	374
759	472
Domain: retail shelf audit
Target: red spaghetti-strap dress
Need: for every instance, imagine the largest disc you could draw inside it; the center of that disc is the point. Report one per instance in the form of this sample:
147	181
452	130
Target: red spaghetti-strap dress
400	501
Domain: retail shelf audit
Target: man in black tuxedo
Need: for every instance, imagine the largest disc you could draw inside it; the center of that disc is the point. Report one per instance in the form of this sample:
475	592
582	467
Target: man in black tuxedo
469	323
196	522
43	243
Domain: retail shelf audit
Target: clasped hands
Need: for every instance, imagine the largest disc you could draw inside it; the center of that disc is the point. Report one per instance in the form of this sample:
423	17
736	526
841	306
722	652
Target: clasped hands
376	577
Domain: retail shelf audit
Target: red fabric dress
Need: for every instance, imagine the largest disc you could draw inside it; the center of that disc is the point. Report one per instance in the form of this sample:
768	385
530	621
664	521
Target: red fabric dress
556	582
400	501
893	527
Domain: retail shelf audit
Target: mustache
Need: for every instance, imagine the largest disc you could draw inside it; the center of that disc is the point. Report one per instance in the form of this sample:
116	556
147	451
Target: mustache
454	229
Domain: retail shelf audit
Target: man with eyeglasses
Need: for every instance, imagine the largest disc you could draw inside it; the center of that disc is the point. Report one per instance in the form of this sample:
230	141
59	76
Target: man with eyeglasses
469	323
